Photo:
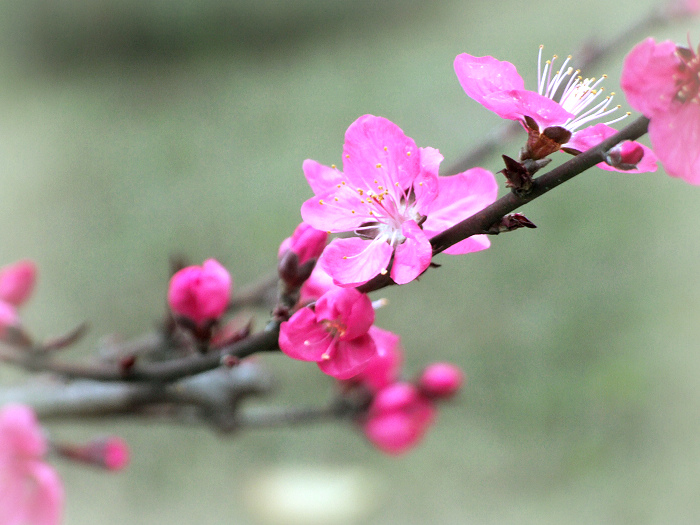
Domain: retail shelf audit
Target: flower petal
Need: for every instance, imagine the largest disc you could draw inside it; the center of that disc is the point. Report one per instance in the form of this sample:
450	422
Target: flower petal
321	178
303	338
483	76
515	104
412	256
354	261
675	137
339	210
648	76
378	153
349	358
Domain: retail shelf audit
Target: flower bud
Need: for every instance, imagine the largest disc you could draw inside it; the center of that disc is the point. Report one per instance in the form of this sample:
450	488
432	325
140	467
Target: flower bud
17	282
625	156
111	453
440	380
306	242
200	293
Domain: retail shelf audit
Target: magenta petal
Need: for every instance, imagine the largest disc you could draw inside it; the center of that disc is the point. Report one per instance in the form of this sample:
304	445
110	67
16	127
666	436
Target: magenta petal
349	307
483	76
384	368
460	197
349	358
354	261
675	137
518	103
412	256
591	136
376	149
321	178
303	338
648	76
335	211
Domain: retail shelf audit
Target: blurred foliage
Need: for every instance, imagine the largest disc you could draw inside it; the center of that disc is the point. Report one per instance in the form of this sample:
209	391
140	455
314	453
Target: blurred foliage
130	131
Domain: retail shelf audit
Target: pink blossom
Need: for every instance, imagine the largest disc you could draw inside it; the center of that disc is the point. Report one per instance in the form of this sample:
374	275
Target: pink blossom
383	369
556	115
390	195
398	418
31	492
333	333
440	380
662	81
200	293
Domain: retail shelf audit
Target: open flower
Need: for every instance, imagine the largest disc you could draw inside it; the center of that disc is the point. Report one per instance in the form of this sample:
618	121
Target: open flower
333	333
556	116
31	492
391	196
662	81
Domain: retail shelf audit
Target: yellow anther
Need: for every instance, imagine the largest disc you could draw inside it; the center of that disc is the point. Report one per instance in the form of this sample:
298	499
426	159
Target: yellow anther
379	165
335	199
386	149
333	166
345	256
325	357
408	153
320	201
352	211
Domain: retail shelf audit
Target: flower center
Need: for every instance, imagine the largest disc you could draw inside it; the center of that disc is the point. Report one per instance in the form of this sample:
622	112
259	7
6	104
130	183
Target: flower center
688	79
579	96
334	327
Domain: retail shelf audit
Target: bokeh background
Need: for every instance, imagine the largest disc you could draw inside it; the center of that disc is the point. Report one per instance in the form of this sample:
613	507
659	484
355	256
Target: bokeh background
131	130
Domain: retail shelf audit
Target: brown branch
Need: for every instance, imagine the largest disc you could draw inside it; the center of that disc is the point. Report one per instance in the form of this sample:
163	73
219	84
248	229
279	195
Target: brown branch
163	371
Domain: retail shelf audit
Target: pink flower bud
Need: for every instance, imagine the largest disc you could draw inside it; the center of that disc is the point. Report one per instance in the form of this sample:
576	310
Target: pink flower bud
306	242
17	282
440	380
111	453
398	418
200	293
625	156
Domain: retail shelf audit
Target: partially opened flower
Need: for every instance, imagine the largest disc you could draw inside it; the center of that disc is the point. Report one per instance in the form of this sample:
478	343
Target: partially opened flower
662	81
390	195
31	492
200	293
333	333
556	116
398	418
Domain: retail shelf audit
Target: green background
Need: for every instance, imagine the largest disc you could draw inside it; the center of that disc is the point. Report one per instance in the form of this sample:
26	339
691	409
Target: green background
130	131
